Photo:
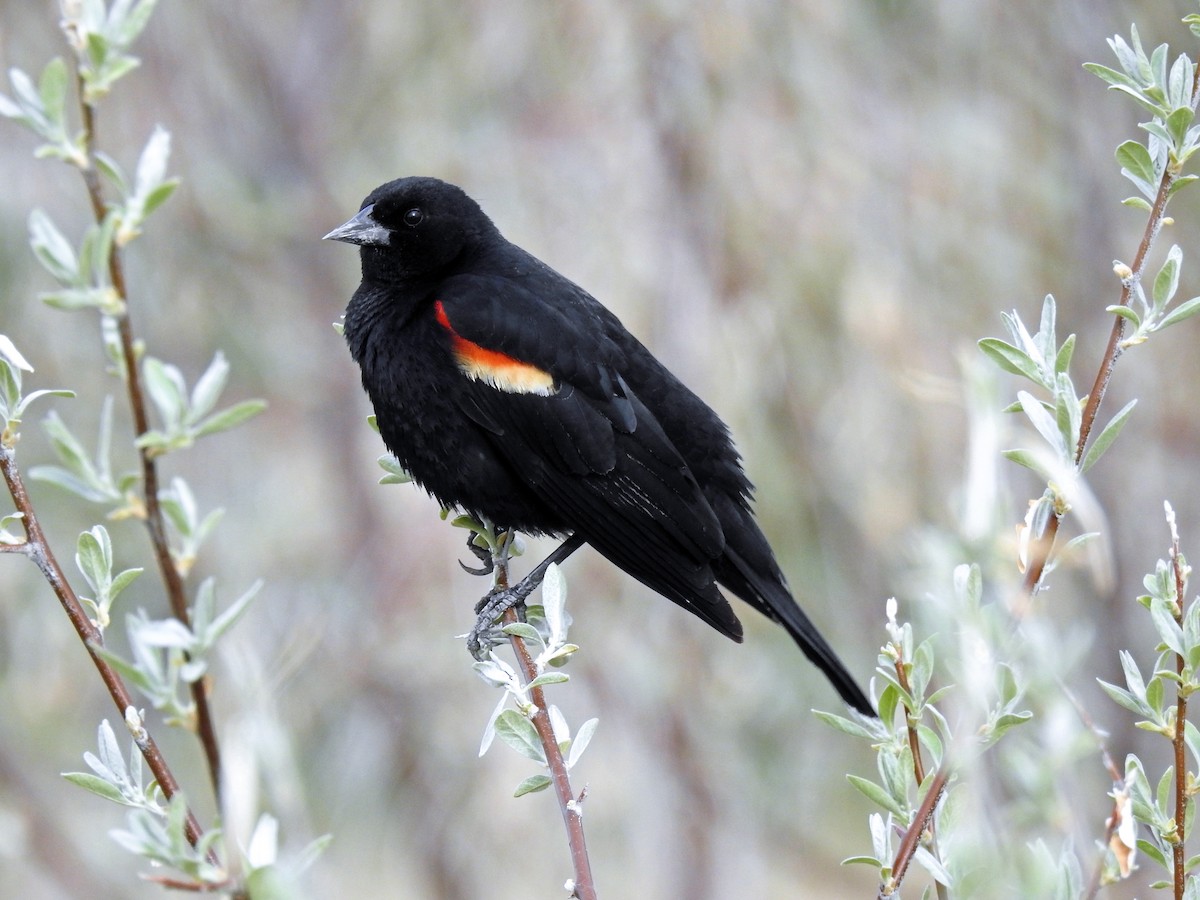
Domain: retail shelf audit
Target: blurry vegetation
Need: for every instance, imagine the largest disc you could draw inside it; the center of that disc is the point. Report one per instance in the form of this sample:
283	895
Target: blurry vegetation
811	212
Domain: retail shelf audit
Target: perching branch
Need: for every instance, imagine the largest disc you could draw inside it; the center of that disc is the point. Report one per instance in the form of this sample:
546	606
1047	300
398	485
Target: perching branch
570	805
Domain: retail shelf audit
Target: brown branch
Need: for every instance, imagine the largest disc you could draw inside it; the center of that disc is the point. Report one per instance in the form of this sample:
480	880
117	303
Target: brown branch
912	838
37	549
155	520
1037	564
914	746
570	805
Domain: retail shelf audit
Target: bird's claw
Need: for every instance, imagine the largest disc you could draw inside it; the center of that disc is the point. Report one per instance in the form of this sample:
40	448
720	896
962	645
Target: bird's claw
485	634
483	554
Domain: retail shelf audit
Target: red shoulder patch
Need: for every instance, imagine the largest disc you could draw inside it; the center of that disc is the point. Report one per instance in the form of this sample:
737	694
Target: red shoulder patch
501	371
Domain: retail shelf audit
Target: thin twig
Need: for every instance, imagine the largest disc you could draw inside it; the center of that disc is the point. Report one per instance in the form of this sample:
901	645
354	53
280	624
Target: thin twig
37	549
914	746
155	520
1037	564
570	805
912	838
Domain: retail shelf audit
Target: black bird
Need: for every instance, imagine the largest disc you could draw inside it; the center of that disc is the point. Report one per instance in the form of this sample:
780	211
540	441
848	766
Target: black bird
509	392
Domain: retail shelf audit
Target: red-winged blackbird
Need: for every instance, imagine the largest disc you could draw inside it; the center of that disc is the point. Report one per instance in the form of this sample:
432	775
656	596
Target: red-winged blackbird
509	392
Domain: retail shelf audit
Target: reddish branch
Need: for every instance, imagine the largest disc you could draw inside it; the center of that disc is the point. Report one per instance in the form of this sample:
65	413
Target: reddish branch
155	520
37	549
570	805
1037	564
912	838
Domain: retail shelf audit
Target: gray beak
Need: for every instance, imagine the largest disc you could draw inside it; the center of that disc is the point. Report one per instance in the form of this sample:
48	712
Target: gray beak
362	229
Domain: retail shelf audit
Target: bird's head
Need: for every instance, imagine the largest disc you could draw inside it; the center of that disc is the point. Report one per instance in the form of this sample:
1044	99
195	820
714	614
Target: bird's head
412	227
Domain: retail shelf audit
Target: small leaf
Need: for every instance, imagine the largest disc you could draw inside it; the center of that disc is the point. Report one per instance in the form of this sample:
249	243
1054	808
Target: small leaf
518	732
877	795
97	785
52	249
1183	311
844	725
1030	460
1135	159
523	630
532	785
1139	203
549	678
1104	439
1166	283
582	738
1010	358
1045	423
208	387
228	418
1062	361
1125	312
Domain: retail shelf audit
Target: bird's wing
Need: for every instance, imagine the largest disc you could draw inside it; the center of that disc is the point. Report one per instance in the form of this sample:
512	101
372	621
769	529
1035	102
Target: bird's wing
545	382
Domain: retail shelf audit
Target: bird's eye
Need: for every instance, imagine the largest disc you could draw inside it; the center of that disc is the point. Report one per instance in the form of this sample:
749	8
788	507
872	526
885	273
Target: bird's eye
413	217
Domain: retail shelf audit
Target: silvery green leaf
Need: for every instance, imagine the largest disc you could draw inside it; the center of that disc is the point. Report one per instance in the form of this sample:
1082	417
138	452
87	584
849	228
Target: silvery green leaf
489	731
110	752
230	416
583	737
93	556
52	249
495	671
881	835
532	785
1112	76
877	795
232	613
549	678
97	785
1184	310
523	630
208	388
127	19
1166	283
933	866
31	397
166	387
10	352
1011	359
166	633
1045	424
842	724
1105	438
558	724
518	732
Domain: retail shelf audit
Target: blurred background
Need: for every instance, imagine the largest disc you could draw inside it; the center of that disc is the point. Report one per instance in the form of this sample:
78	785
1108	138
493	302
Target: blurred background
810	211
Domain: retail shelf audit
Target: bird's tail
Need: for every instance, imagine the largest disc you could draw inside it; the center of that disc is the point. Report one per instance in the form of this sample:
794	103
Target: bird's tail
749	570
773	599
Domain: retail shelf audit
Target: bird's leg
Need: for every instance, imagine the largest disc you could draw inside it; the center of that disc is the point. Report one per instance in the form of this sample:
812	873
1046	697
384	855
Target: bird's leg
500	601
483	554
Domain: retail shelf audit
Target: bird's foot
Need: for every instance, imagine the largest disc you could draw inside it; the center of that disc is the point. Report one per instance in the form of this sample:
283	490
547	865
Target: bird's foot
489	610
483	554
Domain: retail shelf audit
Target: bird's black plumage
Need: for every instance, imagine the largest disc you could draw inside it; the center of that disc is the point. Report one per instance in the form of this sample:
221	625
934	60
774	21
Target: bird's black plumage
509	392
